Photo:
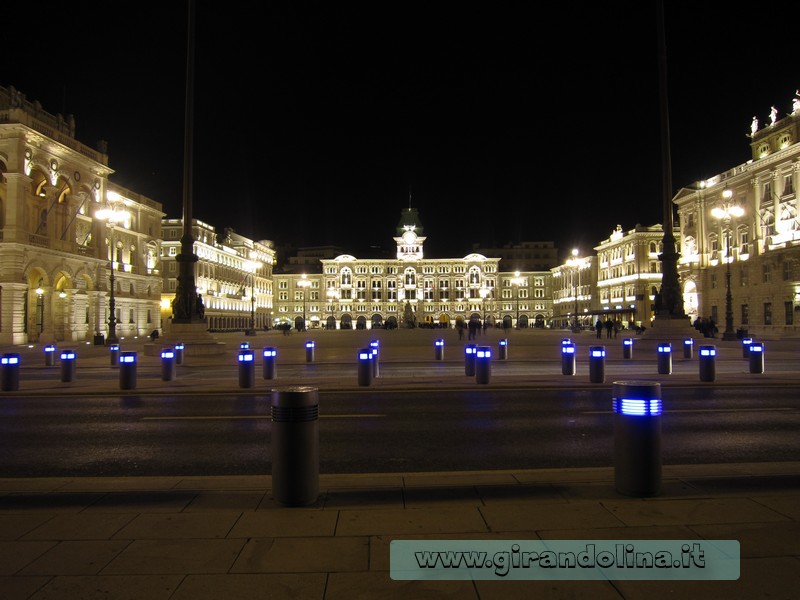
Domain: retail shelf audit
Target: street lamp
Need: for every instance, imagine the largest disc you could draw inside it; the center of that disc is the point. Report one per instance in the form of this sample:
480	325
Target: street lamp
304	283
252	266
112	216
517	281
724	214
332	297
576	264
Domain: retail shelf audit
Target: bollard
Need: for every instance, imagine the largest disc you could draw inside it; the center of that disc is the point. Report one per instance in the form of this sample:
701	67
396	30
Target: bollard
597	364
483	364
167	364
244	346
566	341
469	359
627	348
637	437
502	349
374	344
309	352
665	359
708	362
10	374
688	346
757	357
365	358
114	353
438	349
746	343
50	355
567	358
127	370
179	354
67	365
269	356
295	445
247	369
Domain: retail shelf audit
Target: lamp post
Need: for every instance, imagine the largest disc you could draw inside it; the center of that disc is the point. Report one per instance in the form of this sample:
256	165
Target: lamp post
40	308
576	264
332	296
484	292
304	283
725	213
252	266
112	216
516	281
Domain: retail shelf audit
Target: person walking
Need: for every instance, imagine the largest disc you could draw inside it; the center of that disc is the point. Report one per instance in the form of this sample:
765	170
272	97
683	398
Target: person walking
598	327
609	327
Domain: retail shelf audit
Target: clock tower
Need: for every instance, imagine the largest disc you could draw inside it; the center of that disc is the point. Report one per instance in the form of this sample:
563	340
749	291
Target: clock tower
409	236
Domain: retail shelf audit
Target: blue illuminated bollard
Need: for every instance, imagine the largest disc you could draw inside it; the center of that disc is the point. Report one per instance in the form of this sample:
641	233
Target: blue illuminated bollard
50	355
707	359
627	348
309	352
167	364
469	359
127	370
10	374
566	341
247	369
365	358
244	346
374	345
597	364
68	360
665	359
502	349
179	354
483	364
113	350
270	356
567	358
637	437
688	346
438	349
757	357
746	343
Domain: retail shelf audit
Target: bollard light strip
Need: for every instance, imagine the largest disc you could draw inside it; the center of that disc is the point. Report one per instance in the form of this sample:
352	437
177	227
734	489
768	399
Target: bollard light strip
67	355
637	407
246	357
270	353
708	352
367	355
484	354
309	344
10	360
598	353
127	359
666	349
439	343
168	354
568	349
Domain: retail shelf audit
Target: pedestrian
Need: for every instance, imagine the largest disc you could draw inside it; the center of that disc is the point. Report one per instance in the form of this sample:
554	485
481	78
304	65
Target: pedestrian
598	327
609	327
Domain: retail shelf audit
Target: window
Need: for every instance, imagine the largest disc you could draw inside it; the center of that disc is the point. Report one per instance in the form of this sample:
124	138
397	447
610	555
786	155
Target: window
767	273
745	314
744	243
130	316
744	276
788	311
767	313
787	270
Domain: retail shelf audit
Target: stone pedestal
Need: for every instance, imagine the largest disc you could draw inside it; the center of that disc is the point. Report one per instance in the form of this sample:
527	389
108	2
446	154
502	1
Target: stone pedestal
195	337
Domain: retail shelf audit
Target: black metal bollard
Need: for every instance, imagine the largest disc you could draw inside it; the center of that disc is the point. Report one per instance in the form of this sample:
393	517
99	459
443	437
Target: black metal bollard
10	372
127	370
688	348
365	358
295	445
627	348
665	359
438	349
179	353
113	351
247	369
483	364
68	360
469	359
567	358
50	355
637	437
707	360
269	368
757	357
746	343
597	364
502	349
374	346
309	352
167	364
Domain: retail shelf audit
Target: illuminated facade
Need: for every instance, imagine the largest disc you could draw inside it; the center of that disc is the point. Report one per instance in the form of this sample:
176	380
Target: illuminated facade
574	291
57	253
760	248
411	290
233	276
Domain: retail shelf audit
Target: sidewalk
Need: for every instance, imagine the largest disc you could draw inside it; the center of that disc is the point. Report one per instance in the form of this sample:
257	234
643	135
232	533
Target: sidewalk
198	538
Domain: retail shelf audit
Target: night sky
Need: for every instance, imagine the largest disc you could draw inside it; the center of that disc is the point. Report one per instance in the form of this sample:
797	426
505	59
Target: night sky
505	122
